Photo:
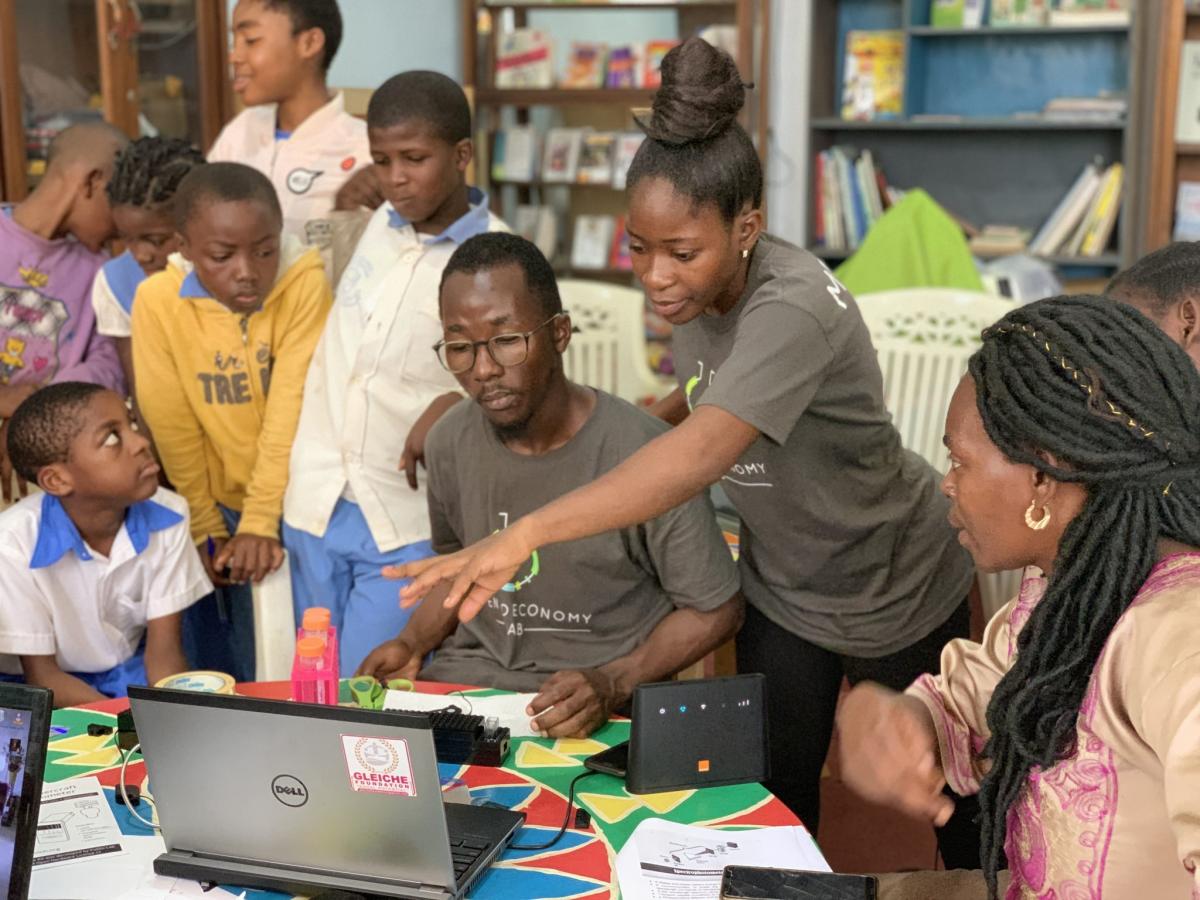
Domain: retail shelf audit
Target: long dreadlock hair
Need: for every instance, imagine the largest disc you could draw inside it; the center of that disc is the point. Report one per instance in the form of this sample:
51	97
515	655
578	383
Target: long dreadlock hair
149	170
1099	386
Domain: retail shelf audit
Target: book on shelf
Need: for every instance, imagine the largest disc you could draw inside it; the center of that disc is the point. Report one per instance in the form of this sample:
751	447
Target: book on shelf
652	57
622	70
873	77
1018	13
560	161
524	59
1088	13
1187	114
1102	108
620	257
591	244
539	224
596	158
956	13
626	149
999	240
515	154
1187	212
850	195
1069	212
1092	234
585	66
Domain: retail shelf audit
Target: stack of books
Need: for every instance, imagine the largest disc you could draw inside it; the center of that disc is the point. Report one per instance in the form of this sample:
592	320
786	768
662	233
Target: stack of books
524	59
1082	224
566	156
851	194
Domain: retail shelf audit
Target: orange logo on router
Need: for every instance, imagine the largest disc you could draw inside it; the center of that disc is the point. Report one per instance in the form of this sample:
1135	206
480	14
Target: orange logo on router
702	766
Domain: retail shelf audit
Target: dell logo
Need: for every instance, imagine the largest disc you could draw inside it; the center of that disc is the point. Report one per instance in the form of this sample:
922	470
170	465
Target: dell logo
289	790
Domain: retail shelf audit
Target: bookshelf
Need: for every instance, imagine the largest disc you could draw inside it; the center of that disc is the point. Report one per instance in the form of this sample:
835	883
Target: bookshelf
603	109
969	133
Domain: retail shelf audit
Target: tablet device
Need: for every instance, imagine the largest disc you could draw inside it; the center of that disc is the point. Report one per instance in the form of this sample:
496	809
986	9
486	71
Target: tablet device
24	732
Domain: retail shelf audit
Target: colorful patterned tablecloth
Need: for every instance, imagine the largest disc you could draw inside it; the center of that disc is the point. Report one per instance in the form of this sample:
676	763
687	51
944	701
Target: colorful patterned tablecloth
535	780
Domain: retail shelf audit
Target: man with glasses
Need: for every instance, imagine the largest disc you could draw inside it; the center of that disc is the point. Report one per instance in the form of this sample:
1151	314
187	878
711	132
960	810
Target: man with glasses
582	623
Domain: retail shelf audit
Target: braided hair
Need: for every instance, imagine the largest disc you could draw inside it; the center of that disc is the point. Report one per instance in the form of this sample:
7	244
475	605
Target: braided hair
149	170
1096	384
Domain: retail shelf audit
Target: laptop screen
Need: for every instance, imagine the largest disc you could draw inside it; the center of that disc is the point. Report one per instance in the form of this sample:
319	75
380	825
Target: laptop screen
24	723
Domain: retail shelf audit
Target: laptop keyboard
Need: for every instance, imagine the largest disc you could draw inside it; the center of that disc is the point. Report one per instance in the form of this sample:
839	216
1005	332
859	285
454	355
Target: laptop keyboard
465	852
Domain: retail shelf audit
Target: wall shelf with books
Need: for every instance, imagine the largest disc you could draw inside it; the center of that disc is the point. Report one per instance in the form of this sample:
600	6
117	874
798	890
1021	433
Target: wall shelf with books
631	97
606	4
997	117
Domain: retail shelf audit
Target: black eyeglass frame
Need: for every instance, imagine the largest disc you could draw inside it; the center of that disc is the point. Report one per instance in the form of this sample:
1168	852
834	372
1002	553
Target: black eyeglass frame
475	345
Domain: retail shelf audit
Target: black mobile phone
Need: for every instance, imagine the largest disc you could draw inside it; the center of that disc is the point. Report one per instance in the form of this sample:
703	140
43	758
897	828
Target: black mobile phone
751	883
613	761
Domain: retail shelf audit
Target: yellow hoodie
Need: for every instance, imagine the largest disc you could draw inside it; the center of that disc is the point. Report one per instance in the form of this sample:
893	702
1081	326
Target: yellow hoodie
203	373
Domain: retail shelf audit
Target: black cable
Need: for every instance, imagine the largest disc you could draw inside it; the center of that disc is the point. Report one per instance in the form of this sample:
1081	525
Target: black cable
566	819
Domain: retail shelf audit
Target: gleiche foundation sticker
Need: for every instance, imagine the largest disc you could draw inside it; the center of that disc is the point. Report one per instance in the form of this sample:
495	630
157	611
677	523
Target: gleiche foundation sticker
379	765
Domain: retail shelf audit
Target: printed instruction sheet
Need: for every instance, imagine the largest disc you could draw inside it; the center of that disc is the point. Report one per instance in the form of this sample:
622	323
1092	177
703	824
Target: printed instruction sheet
75	823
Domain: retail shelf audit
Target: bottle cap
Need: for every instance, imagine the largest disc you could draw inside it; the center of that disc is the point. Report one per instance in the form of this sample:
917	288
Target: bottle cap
316	618
310	647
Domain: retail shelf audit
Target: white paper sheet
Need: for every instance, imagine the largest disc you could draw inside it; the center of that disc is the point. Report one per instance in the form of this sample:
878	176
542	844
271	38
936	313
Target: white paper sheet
665	861
508	708
75	824
100	878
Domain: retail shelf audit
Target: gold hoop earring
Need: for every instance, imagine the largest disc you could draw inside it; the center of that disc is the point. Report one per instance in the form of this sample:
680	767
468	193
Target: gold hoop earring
1037	524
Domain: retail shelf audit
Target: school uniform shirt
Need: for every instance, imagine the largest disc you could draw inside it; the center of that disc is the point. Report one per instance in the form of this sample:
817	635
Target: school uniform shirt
373	374
62	597
844	538
573	605
47	326
221	390
113	291
307	166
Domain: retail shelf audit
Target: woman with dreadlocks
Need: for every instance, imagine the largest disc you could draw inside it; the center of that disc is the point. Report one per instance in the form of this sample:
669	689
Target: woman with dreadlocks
1075	449
141	193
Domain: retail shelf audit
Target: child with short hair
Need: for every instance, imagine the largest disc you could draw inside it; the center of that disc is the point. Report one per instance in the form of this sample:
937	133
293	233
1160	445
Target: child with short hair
220	354
293	131
141	194
101	565
51	245
375	387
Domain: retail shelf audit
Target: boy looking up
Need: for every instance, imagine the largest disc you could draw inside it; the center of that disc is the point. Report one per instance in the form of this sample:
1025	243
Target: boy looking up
294	131
220	355
375	386
101	564
50	249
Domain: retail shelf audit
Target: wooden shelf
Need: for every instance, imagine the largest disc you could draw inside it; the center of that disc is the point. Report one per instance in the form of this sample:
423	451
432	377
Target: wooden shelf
538	183
624	275
563	96
1016	30
967	123
1188	149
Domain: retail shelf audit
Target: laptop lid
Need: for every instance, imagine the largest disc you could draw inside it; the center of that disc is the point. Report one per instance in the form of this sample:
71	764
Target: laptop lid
698	733
24	732
326	789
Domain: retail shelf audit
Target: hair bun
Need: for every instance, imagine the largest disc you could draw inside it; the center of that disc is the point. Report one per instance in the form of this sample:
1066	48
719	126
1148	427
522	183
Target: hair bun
701	95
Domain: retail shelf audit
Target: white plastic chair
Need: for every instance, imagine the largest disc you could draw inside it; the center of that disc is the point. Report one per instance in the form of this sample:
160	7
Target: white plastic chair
923	337
609	349
274	626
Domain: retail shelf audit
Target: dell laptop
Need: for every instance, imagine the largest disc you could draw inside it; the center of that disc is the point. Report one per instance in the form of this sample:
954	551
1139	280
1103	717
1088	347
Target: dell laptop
303	798
24	731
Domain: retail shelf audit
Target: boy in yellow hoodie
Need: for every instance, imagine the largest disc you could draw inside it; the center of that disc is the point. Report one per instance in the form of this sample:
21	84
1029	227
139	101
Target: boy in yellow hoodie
221	344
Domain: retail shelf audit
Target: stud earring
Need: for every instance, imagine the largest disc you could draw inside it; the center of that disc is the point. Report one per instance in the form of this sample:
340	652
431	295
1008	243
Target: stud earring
1037	524
745	253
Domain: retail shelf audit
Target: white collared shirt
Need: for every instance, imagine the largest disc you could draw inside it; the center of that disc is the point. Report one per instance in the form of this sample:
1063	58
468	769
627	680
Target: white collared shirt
374	372
308	167
61	597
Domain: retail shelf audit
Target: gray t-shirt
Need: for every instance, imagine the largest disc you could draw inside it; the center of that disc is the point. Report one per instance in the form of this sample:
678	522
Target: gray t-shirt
573	605
844	534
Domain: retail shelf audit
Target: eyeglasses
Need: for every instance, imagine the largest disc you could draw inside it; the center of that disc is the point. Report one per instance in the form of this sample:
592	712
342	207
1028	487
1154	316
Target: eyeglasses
506	350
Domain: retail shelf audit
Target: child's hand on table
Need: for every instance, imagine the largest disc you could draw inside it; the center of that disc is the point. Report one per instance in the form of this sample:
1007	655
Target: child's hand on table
391	659
250	557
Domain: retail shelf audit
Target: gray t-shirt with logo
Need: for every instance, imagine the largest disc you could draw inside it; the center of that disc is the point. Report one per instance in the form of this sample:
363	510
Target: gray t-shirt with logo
573	605
844	534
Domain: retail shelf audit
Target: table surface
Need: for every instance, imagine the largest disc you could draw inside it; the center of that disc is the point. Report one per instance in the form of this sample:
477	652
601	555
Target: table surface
534	780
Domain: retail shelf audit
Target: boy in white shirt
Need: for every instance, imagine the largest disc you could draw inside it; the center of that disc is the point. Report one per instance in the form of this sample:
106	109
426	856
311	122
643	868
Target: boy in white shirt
375	387
294	131
99	565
